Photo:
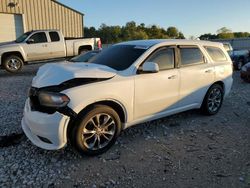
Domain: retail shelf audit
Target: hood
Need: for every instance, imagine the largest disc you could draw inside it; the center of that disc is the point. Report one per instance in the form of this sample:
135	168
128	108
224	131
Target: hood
57	73
6	44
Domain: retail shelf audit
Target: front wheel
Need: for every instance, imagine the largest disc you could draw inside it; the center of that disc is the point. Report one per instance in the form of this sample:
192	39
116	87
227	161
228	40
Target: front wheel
96	130
13	64
213	100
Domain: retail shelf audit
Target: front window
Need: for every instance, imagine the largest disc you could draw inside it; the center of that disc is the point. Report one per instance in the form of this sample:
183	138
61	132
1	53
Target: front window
39	37
23	37
119	57
164	58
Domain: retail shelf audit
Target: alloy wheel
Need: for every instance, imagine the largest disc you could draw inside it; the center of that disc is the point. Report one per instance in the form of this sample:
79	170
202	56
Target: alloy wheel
214	100
98	131
13	64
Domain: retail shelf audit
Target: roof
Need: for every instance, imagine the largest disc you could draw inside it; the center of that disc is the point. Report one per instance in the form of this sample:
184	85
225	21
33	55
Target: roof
55	1
152	42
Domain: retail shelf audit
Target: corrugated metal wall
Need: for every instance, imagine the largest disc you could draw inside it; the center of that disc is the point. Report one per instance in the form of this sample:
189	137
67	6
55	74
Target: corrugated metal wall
45	14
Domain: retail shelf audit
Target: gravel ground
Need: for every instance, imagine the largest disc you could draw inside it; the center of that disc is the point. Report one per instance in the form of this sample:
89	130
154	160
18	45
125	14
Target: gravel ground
184	150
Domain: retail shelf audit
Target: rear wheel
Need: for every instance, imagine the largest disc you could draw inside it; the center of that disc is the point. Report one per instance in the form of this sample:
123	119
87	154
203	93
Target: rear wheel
96	130
83	51
13	64
213	100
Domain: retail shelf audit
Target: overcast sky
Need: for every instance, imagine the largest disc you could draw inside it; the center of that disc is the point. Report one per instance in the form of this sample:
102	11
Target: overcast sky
192	17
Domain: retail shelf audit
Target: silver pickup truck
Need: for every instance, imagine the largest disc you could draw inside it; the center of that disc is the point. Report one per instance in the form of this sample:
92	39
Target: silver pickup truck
42	45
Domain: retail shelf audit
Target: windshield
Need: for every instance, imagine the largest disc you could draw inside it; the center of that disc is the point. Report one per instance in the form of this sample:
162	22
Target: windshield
86	57
22	37
118	57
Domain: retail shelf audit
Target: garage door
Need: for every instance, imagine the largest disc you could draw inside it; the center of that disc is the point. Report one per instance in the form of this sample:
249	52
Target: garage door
11	26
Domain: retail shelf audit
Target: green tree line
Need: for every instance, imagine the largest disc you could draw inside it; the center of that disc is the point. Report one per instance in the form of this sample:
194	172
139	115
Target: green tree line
224	33
131	31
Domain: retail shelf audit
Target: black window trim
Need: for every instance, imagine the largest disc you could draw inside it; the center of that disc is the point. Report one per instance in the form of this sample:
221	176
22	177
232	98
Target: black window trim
193	64
32	34
176	60
207	46
50	36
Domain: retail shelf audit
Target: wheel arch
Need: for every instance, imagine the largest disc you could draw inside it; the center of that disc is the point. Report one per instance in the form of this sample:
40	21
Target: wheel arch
16	53
84	47
117	106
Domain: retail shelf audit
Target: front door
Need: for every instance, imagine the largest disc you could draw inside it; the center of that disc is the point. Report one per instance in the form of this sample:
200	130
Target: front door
37	47
157	92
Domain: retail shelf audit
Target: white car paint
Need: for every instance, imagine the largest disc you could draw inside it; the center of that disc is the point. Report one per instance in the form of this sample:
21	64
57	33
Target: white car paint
143	97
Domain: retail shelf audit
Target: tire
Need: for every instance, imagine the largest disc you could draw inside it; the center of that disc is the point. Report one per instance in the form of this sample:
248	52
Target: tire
83	51
213	100
13	64
88	136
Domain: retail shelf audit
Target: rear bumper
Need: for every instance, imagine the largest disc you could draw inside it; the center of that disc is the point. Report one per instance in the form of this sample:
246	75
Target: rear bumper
47	131
228	85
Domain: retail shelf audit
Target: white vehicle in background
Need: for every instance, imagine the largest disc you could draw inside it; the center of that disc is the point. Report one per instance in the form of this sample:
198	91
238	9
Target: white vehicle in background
42	45
89	104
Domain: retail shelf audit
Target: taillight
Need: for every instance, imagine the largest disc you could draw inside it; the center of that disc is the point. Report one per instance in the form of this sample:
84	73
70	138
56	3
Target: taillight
99	44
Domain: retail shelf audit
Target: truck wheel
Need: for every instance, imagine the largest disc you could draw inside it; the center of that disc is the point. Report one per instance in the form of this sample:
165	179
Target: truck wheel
96	130
13	64
83	51
213	100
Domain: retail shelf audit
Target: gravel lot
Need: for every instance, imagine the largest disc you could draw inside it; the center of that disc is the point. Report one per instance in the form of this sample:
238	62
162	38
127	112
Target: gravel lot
184	150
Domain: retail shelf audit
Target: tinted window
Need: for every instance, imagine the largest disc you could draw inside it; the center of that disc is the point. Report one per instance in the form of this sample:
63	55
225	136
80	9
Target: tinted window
191	55
164	58
119	57
39	37
216	54
85	57
54	36
23	37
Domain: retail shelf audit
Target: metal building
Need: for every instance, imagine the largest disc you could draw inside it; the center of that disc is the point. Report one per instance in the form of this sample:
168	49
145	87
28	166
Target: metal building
237	43
19	16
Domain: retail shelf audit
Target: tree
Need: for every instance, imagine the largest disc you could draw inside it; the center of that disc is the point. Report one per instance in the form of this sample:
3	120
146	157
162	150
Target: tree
225	35
131	31
224	30
181	36
208	36
173	32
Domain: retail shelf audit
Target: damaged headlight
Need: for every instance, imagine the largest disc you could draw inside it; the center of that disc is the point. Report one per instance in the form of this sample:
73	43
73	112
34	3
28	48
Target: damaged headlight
54	100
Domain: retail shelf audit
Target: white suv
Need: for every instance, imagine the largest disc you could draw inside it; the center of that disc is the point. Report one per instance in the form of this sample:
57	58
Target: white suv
88	104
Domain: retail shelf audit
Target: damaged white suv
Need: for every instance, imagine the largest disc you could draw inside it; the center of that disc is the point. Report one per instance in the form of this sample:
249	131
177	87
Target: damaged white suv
88	104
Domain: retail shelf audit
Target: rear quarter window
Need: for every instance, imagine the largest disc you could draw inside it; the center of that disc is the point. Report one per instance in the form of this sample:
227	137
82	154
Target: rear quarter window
54	36
216	53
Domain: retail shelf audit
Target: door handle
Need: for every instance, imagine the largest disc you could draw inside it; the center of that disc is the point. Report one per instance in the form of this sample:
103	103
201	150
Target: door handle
45	45
172	77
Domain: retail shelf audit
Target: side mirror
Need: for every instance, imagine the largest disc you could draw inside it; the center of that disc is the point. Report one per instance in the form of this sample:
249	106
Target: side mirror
30	41
150	67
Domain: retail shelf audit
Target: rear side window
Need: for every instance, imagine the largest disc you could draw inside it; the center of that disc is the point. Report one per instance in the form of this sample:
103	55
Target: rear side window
164	58
39	37
54	36
216	53
191	55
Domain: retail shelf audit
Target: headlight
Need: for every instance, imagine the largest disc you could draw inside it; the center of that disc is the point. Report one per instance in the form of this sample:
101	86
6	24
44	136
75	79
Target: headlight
54	100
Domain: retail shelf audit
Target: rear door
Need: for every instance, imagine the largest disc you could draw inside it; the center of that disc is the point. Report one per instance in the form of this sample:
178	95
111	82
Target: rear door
38	49
197	74
157	92
57	45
